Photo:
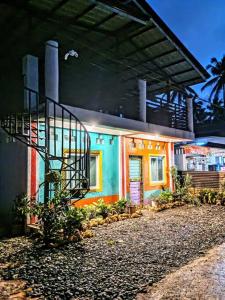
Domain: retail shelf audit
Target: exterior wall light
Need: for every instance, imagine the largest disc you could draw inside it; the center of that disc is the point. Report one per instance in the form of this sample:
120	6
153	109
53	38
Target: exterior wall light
111	141
157	147
99	140
142	145
149	145
132	144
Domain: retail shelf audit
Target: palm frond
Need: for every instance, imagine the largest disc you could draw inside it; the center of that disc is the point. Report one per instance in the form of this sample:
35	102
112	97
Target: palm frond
214	60
210	83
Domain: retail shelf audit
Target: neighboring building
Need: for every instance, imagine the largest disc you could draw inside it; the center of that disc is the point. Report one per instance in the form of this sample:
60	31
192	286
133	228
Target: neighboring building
206	152
128	58
198	156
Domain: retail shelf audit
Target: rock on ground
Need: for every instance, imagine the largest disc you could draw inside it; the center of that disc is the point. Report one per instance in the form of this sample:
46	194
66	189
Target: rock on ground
121	260
201	279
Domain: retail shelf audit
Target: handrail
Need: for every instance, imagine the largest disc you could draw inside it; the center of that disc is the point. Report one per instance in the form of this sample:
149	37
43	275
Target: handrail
33	127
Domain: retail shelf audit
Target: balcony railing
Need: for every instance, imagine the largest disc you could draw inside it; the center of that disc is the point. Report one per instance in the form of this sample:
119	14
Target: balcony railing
173	115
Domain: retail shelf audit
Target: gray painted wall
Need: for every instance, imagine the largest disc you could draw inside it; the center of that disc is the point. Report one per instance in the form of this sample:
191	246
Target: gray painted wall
13	178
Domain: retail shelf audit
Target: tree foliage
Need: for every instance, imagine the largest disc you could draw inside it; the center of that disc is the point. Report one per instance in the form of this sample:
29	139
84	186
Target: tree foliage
217	83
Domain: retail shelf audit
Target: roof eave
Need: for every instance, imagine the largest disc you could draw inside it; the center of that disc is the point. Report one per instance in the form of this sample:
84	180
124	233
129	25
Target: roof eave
174	39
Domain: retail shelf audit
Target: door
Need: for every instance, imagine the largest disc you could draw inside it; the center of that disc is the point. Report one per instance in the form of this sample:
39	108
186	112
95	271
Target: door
135	180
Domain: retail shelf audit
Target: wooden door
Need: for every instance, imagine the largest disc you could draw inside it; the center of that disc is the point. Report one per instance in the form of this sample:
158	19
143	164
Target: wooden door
135	180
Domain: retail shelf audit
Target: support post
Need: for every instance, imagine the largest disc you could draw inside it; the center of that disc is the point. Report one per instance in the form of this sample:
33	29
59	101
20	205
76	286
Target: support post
52	70
142	100
30	75
190	114
52	92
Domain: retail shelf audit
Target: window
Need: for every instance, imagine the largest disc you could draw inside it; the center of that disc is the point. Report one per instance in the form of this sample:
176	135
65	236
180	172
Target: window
95	171
157	168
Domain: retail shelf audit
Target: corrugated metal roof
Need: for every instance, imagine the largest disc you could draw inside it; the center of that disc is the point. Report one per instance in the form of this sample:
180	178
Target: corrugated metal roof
127	36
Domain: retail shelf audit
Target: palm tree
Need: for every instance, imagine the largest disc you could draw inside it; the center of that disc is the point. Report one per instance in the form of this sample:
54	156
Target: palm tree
217	69
215	110
201	115
180	95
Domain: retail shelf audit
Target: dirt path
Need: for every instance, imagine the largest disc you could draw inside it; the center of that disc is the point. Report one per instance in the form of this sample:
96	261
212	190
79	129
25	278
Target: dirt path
204	278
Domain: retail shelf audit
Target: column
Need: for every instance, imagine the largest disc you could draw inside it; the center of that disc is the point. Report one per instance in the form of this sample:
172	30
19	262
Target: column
142	100
30	75
52	70
190	114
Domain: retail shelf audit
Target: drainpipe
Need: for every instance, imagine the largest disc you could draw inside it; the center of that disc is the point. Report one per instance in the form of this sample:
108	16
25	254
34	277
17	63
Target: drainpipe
52	70
30	75
142	99
190	114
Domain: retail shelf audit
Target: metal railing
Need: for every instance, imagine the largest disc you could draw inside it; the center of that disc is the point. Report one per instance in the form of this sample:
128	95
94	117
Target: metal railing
59	137
173	115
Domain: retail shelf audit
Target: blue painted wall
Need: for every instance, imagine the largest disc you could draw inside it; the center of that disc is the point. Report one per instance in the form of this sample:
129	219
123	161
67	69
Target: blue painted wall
110	164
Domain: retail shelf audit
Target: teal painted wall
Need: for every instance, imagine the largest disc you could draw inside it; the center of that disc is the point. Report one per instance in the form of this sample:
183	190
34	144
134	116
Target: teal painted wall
148	195
110	164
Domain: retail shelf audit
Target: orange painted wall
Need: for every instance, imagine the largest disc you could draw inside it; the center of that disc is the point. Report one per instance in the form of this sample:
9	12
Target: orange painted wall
145	153
107	199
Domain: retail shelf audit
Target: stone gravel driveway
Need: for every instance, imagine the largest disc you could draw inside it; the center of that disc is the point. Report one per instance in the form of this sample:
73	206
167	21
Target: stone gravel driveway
122	260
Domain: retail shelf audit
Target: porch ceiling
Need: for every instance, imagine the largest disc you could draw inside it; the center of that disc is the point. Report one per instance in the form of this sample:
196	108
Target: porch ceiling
126	37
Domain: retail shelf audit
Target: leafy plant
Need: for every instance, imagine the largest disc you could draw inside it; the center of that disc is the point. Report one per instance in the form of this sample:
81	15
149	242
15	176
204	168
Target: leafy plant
120	205
222	185
182	186
21	207
208	196
91	211
102	208
166	196
73	220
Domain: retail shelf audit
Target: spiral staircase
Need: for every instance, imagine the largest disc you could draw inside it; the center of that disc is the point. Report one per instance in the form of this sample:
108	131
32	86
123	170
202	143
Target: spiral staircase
61	140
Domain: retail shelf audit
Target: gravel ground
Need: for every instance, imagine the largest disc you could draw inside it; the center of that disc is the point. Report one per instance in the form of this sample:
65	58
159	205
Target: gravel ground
121	260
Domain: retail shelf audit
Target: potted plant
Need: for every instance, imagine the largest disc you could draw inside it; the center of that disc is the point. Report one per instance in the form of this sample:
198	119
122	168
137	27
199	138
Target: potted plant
130	207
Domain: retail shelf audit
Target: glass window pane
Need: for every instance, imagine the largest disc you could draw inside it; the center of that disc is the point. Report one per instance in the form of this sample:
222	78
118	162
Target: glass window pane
93	171
160	169
157	168
154	176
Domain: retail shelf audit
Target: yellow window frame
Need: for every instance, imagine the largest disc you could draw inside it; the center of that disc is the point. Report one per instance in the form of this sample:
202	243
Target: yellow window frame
164	181
97	153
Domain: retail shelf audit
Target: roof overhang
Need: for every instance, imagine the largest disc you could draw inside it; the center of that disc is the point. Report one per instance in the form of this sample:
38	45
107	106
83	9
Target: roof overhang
127	37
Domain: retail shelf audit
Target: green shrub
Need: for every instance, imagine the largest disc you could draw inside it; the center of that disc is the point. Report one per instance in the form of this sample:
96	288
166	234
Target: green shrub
221	198
73	220
120	205
21	208
91	211
102	208
166	196
182	186
208	196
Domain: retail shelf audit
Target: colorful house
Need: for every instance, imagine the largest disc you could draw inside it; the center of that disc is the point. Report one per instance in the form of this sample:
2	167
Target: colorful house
112	125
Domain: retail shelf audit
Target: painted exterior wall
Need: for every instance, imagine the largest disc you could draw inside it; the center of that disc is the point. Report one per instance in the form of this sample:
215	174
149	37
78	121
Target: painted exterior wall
108	173
150	189
110	170
13	178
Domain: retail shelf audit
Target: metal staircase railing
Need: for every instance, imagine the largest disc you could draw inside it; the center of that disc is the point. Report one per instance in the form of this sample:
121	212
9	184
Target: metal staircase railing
59	137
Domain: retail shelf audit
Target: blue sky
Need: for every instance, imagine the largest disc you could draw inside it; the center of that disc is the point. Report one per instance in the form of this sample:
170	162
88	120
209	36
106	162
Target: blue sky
199	24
